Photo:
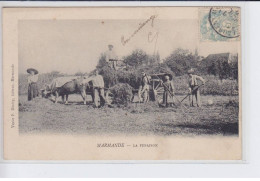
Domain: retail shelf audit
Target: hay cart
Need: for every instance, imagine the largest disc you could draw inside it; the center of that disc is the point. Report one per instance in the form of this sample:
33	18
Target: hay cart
156	89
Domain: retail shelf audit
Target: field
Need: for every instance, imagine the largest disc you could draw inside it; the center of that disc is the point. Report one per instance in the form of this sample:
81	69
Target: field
43	116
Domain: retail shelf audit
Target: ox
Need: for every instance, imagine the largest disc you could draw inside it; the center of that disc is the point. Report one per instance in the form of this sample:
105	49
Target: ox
74	86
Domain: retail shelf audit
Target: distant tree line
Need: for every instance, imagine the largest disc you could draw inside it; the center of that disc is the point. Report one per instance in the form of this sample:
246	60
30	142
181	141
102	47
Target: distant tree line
131	66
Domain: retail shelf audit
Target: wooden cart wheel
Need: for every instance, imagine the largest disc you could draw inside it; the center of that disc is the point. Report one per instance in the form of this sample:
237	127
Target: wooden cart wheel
158	95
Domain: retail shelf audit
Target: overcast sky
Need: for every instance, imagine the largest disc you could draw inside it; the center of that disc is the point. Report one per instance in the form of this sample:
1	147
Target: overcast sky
71	46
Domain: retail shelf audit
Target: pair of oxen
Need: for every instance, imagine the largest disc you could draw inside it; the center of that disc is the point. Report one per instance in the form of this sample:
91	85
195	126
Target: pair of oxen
64	86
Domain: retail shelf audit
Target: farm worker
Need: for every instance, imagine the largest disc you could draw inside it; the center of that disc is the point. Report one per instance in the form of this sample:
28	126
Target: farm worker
140	93
145	87
111	57
98	88
193	88
168	90
32	83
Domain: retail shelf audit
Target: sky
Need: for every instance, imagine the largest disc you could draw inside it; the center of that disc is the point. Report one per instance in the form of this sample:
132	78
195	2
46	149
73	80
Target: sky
71	46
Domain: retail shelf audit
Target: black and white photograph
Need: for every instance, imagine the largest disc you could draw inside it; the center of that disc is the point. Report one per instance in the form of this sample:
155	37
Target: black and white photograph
149	73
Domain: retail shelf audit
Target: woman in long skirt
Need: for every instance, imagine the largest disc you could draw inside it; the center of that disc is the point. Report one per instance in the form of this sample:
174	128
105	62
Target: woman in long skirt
32	84
168	91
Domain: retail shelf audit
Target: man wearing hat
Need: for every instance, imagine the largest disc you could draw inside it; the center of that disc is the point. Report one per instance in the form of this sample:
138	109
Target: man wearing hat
32	83
193	87
111	57
168	90
144	88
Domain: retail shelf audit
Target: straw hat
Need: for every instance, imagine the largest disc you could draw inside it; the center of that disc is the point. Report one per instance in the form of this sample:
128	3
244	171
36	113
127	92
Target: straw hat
32	69
169	75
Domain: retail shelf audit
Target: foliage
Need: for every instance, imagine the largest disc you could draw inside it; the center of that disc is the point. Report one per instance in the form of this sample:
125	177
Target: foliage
213	86
136	58
109	75
220	67
136	63
219	72
102	62
234	70
180	61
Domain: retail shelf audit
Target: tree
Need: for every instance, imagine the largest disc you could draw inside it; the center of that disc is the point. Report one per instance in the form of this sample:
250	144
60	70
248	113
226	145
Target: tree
102	61
180	61
223	68
234	70
154	59
234	67
137	58
212	69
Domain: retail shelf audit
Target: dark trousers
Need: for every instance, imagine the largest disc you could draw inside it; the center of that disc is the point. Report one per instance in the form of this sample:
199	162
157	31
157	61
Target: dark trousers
99	94
32	91
195	95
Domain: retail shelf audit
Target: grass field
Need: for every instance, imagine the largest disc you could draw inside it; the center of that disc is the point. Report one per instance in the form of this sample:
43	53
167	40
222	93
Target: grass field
43	116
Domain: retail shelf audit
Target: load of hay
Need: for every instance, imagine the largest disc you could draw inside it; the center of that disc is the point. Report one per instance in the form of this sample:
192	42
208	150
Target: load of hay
122	94
131	76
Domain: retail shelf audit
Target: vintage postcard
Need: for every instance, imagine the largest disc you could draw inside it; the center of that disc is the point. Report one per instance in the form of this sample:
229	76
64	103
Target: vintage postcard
122	83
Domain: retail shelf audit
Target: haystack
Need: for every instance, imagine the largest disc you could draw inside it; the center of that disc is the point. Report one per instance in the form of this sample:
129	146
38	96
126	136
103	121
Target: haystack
122	93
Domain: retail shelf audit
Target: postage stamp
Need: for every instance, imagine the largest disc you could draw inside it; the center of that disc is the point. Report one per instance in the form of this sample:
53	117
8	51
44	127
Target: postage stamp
219	24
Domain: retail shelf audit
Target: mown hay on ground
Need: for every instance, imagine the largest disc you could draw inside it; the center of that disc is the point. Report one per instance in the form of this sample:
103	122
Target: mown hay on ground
122	93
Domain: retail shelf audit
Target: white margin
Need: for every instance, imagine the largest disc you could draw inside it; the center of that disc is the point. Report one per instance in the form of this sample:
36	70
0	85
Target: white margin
193	168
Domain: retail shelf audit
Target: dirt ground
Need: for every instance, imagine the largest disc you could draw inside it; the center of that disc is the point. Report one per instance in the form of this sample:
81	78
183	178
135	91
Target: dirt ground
43	116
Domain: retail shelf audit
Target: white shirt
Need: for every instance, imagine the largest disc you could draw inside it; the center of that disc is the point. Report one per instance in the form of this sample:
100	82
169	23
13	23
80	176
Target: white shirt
110	54
32	78
97	80
193	80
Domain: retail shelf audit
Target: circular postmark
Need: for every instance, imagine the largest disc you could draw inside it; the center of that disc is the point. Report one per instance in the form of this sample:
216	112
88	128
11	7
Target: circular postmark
225	21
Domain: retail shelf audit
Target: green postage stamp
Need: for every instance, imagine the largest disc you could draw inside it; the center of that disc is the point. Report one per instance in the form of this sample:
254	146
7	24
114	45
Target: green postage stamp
219	24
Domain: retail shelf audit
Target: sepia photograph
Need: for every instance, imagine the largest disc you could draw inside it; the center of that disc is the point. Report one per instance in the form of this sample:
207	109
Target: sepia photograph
155	73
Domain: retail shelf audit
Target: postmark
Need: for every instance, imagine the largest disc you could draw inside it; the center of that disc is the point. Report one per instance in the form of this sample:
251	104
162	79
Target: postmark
220	24
225	22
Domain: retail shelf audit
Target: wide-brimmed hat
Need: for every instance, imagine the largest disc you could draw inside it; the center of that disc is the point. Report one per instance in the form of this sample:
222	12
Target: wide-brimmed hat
190	71
169	75
32	69
110	45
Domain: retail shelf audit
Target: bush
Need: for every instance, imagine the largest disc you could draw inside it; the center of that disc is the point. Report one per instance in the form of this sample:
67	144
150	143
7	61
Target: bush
214	86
